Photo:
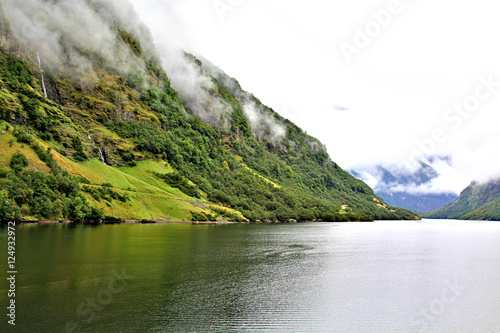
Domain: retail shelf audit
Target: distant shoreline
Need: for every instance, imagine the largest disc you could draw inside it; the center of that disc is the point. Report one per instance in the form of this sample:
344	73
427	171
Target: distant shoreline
109	222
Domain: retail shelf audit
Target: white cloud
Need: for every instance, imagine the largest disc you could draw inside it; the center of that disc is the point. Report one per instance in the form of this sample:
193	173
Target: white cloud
262	123
436	175
287	53
62	31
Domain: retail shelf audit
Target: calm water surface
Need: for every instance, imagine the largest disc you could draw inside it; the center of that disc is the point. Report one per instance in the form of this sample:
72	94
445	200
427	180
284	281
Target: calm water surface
429	276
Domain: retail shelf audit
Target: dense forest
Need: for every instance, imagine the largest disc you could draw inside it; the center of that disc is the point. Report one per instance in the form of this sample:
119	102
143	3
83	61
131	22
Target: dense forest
120	142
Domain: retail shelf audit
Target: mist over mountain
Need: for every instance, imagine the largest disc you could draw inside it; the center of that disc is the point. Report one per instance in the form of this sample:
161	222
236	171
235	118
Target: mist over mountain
421	189
100	121
429	190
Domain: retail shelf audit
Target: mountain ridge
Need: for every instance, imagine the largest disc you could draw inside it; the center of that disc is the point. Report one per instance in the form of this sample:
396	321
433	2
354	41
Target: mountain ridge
210	153
479	201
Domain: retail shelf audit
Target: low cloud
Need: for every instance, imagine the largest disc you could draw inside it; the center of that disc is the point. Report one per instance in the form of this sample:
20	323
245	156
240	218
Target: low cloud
66	32
264	125
436	175
195	84
399	89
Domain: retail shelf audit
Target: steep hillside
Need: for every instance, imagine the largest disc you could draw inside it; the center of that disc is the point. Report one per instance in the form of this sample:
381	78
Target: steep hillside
93	127
476	202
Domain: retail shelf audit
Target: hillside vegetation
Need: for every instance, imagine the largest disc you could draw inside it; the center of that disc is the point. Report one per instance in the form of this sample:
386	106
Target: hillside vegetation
114	139
476	202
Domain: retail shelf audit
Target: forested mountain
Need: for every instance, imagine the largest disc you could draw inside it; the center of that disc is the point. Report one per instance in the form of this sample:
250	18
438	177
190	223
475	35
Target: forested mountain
93	127
409	189
479	201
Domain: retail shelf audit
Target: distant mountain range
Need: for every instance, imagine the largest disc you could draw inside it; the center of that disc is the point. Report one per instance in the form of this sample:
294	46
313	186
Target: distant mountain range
409	189
476	202
415	190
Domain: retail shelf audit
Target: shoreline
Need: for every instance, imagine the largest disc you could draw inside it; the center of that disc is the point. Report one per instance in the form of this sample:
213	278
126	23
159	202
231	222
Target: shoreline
144	221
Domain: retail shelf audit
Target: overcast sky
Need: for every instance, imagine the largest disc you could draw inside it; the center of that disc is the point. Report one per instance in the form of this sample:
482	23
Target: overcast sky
369	79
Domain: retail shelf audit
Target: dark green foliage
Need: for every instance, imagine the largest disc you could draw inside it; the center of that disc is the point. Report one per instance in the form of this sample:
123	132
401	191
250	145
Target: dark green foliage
47	196
9	211
5	113
22	136
156	71
35	194
105	193
16	73
77	144
82	180
176	180
79	210
306	215
30	106
132	163
79	154
46	156
193	58
127	157
133	43
239	122
203	217
56	136
3	173
18	162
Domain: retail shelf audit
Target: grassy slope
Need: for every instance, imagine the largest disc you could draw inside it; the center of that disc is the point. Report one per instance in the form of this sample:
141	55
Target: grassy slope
9	146
150	197
490	211
476	202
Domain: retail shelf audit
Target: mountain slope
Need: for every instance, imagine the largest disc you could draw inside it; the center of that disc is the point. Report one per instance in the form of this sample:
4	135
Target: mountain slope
476	202
489	211
97	128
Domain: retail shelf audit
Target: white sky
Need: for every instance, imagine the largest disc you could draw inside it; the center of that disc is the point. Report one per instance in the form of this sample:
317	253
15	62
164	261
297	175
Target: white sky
429	57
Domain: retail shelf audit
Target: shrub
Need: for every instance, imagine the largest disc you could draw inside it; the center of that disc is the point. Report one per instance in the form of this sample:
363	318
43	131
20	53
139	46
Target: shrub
18	162
176	180
22	136
79	155
203	217
9	211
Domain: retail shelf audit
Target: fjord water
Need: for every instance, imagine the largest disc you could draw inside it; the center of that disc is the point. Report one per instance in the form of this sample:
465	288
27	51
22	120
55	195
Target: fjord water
430	276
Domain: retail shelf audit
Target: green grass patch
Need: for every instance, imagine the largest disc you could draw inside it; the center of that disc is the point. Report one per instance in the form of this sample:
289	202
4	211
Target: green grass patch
148	197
